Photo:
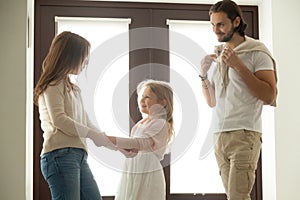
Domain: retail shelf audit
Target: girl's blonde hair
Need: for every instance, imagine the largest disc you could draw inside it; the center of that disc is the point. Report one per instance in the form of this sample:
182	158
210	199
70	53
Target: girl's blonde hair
163	91
66	54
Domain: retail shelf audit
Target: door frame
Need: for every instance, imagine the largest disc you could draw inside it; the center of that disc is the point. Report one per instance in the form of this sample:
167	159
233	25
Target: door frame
143	15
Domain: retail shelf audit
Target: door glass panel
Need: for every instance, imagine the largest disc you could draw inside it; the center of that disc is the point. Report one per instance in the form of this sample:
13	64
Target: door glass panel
189	172
112	67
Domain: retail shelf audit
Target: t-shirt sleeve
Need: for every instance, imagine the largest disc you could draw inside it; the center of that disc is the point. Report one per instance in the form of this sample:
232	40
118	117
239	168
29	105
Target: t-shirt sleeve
262	61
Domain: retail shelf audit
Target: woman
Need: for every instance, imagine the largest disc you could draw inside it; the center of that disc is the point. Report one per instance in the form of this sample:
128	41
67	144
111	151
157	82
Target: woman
64	121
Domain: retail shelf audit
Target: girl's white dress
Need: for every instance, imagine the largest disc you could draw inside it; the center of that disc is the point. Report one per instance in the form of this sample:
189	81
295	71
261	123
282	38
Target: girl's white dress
143	177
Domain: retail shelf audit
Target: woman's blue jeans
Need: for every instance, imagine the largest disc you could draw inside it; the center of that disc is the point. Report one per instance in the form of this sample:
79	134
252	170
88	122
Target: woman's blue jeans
68	175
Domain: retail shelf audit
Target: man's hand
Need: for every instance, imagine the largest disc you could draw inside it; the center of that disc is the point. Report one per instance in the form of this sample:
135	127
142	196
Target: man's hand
206	63
230	58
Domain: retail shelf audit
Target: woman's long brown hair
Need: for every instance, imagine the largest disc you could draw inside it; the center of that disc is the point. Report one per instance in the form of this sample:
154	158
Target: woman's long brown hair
66	54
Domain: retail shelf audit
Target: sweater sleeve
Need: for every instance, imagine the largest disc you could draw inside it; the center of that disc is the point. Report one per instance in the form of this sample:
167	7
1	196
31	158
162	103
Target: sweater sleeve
55	103
99	137
135	143
156	137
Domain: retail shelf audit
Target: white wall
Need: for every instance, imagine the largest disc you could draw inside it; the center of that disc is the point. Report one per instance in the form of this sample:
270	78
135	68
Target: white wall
13	99
284	40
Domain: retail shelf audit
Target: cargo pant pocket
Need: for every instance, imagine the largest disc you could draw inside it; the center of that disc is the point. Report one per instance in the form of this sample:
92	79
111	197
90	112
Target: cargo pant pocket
245	177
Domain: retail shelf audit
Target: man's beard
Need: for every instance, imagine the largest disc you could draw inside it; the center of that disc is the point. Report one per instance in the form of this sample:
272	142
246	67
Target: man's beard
229	37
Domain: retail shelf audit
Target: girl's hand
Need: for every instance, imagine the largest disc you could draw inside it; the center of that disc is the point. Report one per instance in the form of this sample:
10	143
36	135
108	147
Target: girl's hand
112	139
128	153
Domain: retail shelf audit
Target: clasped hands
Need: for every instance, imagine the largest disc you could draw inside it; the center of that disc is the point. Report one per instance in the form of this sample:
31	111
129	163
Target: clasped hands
129	153
101	139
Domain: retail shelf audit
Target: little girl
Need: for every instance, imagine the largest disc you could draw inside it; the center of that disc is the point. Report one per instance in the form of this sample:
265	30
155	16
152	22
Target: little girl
143	176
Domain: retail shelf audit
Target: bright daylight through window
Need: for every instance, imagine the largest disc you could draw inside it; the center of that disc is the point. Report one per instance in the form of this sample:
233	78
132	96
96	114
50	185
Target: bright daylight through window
99	32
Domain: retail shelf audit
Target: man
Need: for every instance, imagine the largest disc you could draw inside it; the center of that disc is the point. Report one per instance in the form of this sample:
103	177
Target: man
241	82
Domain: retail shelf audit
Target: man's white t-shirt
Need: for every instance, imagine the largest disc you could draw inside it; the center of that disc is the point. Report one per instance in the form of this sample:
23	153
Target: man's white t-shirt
237	108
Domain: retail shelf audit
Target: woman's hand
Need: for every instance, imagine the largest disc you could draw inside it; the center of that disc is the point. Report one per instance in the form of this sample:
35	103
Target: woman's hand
129	153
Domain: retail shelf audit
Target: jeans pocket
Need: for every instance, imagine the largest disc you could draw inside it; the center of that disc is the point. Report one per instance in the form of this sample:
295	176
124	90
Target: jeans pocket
66	160
44	166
